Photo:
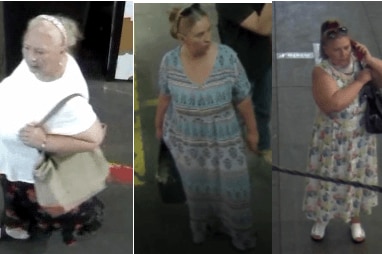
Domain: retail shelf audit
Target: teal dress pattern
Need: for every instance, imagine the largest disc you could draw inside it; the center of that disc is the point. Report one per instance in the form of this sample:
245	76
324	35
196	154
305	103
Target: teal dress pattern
204	134
341	148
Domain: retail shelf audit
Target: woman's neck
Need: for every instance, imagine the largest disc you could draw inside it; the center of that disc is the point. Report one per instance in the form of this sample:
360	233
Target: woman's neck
191	56
349	69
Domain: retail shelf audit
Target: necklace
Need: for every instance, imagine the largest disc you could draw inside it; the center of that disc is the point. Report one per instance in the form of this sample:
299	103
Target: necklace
348	70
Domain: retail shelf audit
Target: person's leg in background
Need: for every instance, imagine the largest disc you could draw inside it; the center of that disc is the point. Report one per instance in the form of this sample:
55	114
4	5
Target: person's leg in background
262	102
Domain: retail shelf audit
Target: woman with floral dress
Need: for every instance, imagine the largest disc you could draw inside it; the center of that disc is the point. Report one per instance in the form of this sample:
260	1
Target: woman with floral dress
341	147
203	93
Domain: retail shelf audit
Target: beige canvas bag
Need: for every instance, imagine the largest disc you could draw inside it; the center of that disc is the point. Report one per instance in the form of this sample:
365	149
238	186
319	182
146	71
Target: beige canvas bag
62	182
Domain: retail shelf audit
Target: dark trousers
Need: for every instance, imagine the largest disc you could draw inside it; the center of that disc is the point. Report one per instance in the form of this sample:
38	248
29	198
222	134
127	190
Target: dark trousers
262	102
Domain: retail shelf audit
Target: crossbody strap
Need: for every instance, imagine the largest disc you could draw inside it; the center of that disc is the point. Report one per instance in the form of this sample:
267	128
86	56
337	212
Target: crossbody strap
58	107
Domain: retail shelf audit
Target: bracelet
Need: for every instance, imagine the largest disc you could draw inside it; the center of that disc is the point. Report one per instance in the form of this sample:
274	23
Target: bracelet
43	145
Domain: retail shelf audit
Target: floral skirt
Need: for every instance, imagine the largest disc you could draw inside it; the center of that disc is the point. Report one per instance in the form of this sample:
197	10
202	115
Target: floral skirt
22	210
343	153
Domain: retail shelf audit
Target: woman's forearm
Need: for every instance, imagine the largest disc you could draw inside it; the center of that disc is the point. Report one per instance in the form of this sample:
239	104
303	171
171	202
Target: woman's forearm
163	102
260	24
84	141
265	20
245	109
67	144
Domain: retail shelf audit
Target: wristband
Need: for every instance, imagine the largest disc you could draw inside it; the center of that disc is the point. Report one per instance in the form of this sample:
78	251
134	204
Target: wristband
43	145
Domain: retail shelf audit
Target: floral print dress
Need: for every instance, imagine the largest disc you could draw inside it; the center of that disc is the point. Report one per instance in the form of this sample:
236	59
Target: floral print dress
341	148
23	211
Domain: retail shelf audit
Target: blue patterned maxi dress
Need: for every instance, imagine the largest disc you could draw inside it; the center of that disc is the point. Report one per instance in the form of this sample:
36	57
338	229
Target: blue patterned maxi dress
203	132
341	148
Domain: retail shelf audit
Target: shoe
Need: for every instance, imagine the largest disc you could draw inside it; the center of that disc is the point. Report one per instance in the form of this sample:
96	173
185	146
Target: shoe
318	231
357	233
17	233
267	155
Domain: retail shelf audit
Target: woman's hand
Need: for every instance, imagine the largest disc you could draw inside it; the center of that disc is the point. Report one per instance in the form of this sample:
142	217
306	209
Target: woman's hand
362	52
159	133
33	135
252	141
364	76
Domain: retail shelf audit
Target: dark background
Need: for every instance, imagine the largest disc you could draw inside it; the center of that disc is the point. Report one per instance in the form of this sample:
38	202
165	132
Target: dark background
97	53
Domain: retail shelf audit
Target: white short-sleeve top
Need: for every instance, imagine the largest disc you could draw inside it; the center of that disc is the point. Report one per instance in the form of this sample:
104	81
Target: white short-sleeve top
25	99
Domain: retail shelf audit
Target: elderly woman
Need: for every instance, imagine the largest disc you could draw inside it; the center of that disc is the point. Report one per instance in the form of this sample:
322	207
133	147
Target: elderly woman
341	147
46	74
202	87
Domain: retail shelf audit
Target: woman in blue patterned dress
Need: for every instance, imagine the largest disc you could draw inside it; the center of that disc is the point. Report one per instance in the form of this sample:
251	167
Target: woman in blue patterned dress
341	147
204	98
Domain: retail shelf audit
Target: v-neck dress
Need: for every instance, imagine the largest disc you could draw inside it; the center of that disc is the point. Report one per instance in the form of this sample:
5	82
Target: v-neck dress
203	132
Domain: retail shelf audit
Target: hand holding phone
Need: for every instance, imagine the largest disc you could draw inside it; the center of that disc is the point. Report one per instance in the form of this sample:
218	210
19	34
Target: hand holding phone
359	53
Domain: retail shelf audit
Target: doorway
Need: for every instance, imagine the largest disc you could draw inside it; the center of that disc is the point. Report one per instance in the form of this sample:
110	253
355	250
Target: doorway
99	22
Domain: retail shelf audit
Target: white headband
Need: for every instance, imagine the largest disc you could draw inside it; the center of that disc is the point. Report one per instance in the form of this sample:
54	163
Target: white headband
57	23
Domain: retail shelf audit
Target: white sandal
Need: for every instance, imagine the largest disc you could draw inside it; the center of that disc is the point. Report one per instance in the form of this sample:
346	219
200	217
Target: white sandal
357	233
318	231
17	233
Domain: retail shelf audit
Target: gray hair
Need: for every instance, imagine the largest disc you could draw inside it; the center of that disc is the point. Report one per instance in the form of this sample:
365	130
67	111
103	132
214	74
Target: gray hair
68	28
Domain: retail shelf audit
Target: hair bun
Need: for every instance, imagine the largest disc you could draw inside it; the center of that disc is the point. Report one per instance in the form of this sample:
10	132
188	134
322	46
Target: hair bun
195	6
329	24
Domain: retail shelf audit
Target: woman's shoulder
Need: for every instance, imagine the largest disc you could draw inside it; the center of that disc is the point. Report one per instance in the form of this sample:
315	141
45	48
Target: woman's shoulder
173	53
73	73
72	64
322	67
19	77
226	50
323	64
171	57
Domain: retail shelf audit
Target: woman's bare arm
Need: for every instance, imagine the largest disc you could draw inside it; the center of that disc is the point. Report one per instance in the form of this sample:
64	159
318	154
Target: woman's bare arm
163	102
245	109
329	97
261	24
35	136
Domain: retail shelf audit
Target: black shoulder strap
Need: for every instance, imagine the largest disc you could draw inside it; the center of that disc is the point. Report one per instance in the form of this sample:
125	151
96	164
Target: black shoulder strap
360	65
58	107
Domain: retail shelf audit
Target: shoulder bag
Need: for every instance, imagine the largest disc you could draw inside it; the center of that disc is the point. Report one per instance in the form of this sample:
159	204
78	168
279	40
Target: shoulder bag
62	182
373	113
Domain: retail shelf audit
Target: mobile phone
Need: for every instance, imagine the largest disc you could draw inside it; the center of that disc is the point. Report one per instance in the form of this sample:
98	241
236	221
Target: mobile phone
358	54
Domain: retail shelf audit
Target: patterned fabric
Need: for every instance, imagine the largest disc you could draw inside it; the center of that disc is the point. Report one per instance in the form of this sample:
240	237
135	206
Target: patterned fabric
341	148
203	133
22	210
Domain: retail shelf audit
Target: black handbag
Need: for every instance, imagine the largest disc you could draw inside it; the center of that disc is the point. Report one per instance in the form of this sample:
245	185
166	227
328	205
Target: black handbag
373	113
168	179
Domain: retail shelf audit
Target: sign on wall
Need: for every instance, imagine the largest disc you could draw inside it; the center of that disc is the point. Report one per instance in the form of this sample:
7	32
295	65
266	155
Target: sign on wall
125	61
